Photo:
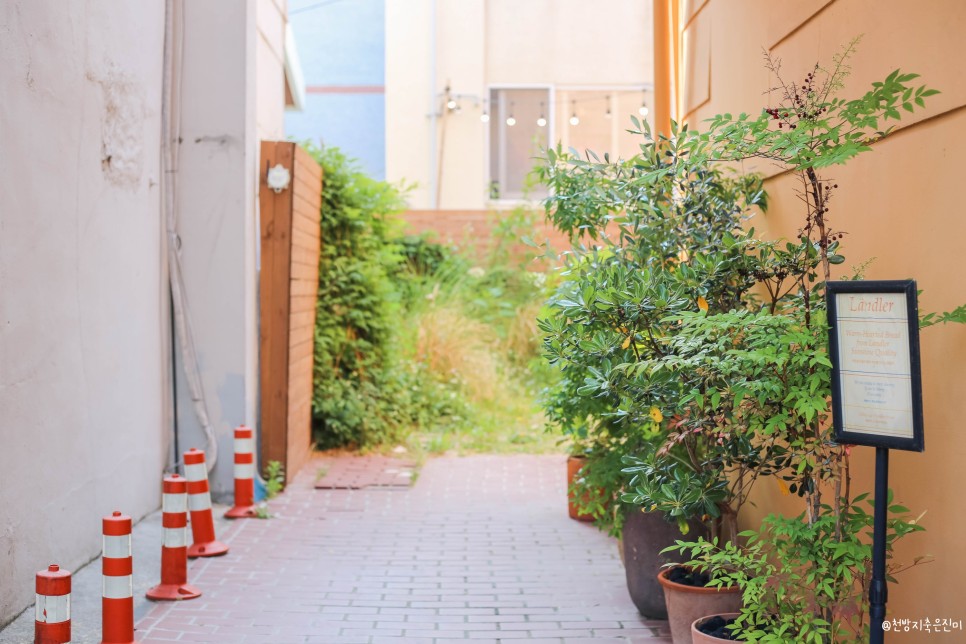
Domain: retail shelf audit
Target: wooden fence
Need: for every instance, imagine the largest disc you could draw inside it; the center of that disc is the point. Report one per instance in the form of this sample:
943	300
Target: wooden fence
291	242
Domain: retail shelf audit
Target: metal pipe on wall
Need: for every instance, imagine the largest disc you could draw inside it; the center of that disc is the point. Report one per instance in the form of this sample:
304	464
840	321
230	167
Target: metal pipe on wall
170	135
663	66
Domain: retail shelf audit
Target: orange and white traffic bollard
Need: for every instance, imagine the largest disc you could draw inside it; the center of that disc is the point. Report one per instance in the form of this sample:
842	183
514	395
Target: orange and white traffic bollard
199	503
174	551
117	598
52	611
244	506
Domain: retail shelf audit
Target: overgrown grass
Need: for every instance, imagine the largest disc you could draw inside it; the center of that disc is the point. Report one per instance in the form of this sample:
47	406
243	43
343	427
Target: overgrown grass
469	329
415	343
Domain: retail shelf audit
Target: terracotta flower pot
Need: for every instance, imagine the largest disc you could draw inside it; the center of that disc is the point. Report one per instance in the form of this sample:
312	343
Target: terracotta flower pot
703	638
685	604
574	463
645	535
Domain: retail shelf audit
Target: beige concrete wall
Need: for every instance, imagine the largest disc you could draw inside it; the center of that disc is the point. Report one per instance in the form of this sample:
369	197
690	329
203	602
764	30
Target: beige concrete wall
217	190
410	76
270	19
476	44
900	204
82	358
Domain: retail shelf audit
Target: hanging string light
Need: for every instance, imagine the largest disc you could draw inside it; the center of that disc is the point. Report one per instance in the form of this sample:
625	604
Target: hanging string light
451	103
485	115
542	121
574	119
642	110
607	114
510	121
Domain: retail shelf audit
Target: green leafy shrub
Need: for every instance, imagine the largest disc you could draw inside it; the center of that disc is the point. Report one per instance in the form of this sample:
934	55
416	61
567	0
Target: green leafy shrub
656	223
800	580
469	328
360	394
759	379
410	336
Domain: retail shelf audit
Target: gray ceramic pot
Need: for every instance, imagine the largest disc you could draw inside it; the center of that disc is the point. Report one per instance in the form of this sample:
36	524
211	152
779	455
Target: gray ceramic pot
645	535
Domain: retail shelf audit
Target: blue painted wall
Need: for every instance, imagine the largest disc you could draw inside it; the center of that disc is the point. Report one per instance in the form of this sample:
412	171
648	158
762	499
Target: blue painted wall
342	43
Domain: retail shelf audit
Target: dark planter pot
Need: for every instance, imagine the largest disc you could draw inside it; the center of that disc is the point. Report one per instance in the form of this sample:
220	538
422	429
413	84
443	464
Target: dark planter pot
645	535
686	604
697	637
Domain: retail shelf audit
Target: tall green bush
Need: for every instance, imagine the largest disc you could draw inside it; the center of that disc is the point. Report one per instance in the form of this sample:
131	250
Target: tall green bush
359	386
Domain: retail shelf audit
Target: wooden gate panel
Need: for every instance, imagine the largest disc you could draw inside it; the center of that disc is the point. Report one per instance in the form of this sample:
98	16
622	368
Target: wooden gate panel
291	243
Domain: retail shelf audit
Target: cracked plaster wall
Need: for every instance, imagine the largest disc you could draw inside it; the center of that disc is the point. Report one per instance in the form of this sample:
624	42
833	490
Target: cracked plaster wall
82	371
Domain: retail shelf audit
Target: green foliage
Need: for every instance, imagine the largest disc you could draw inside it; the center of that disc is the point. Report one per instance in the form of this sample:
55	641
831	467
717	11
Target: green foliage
410	336
469	329
359	382
699	351
274	482
957	316
750	387
657	222
274	479
803	581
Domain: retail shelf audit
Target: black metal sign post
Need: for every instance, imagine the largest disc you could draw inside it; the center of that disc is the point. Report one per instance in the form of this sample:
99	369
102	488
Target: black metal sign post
879	588
876	393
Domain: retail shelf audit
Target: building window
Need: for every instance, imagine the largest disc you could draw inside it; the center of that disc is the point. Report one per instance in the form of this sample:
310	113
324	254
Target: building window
525	121
519	132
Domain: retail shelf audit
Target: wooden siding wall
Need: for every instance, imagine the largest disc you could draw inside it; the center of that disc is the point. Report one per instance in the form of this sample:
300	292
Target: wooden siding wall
291	242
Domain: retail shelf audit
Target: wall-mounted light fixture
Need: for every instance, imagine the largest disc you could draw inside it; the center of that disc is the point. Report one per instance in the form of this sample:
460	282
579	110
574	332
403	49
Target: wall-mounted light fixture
278	178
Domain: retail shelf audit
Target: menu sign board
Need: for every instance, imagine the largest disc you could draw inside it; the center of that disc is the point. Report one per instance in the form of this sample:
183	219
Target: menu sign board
874	349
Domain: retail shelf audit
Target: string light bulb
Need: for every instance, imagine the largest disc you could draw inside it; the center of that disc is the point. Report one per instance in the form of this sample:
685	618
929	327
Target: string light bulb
510	121
450	99
542	121
485	116
607	113
642	110
574	119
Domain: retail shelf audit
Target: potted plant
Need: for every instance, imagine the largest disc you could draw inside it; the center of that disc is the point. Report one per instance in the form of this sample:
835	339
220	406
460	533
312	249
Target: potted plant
644	218
801	581
804	578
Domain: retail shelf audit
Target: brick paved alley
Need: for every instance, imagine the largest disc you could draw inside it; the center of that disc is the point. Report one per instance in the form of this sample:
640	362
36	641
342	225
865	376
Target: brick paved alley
479	549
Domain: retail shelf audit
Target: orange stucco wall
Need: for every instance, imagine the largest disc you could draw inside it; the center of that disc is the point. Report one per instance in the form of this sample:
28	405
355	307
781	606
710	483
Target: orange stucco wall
900	203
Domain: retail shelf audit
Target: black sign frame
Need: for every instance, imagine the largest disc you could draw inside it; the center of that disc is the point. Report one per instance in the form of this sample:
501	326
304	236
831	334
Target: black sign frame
872	287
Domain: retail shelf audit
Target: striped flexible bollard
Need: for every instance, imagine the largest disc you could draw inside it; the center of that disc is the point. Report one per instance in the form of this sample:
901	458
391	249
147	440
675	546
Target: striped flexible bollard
199	503
52	611
174	550
117	598
244	506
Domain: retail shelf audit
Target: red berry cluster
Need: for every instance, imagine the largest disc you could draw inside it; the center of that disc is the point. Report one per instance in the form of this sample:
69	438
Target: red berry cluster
801	97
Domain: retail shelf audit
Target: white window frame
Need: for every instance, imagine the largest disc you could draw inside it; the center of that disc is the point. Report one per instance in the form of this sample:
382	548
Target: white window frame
488	136
553	136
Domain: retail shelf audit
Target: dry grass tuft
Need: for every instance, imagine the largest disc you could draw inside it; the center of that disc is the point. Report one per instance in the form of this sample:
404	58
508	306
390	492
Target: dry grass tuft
454	346
523	337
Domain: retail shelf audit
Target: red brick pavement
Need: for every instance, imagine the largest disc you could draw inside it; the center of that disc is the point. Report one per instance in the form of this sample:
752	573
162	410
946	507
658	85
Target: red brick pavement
479	550
358	472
